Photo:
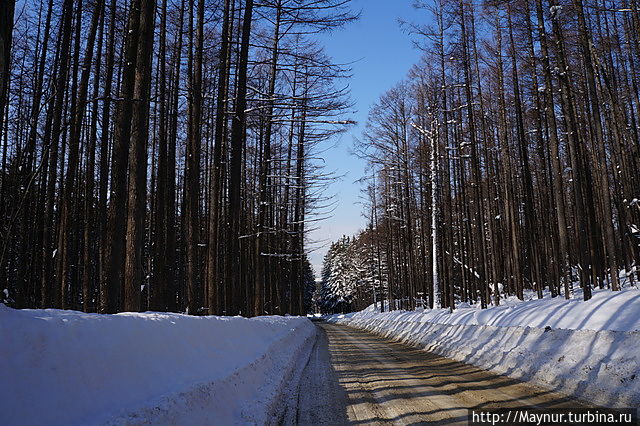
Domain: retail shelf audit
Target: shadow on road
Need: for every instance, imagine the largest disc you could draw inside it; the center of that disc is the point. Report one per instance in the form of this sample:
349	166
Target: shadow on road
390	383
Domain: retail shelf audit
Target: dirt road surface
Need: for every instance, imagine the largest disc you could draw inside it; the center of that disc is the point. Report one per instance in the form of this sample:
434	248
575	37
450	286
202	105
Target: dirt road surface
371	380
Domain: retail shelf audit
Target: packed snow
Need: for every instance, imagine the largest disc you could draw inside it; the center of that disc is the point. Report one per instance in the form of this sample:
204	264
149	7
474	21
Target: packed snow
66	367
585	349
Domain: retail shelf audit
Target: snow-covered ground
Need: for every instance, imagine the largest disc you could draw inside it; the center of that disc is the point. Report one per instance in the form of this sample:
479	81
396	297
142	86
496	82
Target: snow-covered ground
585	349
65	367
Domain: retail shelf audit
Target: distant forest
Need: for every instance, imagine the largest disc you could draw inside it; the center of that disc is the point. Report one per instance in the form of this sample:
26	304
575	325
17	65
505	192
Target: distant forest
507	161
163	155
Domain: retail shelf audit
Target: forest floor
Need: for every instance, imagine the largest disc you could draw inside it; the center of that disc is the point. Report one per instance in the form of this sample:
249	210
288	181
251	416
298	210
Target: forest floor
385	382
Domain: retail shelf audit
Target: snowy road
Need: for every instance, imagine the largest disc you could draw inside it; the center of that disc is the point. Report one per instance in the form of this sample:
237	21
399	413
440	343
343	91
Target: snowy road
384	382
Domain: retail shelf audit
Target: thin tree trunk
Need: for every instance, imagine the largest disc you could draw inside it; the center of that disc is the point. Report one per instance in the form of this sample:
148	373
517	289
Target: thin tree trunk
67	213
136	206
213	248
115	243
192	171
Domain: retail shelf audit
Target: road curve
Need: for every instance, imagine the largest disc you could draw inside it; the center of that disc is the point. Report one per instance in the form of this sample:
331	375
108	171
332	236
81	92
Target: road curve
385	382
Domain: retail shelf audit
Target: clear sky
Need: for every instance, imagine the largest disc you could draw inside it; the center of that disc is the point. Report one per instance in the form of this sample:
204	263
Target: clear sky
380	54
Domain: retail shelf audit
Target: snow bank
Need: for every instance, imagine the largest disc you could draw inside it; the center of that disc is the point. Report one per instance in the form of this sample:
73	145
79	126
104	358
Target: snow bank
585	349
606	310
64	367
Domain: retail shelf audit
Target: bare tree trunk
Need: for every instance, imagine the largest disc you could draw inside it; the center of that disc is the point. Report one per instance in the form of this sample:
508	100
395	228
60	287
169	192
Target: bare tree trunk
192	171
6	36
603	176
170	255
213	248
104	144
158	285
554	153
136	206
262	240
115	243
234	268
54	136
66	216
475	164
89	211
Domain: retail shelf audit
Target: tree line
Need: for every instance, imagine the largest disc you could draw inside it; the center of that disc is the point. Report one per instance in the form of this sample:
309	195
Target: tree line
353	274
508	159
162	154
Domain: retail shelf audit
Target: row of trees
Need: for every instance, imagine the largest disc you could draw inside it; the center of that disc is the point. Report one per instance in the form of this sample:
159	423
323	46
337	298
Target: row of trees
352	273
161	154
509	158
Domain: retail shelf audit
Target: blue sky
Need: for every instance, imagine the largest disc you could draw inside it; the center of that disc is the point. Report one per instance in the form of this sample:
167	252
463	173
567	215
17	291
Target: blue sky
381	55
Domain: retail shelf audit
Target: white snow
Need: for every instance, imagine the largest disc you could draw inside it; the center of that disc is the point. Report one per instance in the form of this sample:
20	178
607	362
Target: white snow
606	310
66	367
585	349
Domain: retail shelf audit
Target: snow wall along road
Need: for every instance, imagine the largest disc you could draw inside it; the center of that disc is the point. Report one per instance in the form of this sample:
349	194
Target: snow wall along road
71	368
